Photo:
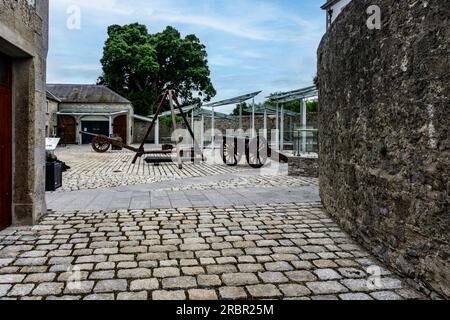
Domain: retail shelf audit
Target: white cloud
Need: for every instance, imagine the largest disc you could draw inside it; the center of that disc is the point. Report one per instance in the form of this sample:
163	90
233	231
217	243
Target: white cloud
225	25
99	7
82	67
252	44
250	19
223	61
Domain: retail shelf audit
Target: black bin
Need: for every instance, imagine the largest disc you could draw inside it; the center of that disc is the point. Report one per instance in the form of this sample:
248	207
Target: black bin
53	176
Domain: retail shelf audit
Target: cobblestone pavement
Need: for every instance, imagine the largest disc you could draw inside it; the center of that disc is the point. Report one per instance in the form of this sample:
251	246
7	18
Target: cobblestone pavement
91	170
258	182
243	188
289	251
197	185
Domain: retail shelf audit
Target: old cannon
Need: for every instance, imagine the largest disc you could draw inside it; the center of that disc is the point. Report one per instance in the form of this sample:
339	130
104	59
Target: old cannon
256	150
102	144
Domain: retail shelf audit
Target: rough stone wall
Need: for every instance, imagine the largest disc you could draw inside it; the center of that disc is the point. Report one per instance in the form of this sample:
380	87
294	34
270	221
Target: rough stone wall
24	38
385	143
51	120
303	167
141	127
225	124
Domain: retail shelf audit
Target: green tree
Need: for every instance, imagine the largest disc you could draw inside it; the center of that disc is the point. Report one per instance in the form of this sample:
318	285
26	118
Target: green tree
142	66
311	106
236	111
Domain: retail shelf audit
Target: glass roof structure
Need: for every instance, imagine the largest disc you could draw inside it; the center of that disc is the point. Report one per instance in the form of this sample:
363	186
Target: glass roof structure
270	110
235	100
304	93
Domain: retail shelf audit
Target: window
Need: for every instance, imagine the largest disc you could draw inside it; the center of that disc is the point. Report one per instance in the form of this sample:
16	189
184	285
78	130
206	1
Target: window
4	72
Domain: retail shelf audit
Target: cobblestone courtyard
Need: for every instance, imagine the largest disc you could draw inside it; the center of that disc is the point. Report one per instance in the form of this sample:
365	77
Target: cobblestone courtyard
214	233
288	251
90	170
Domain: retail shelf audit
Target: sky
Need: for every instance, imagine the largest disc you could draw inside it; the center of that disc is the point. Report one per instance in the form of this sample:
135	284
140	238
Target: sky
252	45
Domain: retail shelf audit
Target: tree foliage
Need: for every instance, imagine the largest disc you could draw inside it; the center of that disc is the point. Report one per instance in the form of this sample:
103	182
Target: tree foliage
236	111
142	66
311	106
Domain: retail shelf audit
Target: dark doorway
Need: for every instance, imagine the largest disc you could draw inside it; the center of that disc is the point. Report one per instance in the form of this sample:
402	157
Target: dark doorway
120	127
5	143
67	126
95	127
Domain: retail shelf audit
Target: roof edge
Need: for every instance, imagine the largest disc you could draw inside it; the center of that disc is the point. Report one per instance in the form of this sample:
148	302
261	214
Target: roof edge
51	96
329	4
62	100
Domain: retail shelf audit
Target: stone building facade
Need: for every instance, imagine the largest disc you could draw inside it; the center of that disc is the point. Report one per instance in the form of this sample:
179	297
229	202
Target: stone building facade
89	108
385	143
23	54
51	119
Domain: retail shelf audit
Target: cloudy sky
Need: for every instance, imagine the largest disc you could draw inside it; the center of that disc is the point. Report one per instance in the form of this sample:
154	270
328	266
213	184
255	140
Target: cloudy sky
253	45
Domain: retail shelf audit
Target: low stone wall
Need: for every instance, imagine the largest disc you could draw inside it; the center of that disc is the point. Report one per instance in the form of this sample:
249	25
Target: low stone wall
140	130
140	127
385	140
303	167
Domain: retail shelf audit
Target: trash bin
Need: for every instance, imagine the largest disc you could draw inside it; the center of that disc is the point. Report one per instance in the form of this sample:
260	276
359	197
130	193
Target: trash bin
53	176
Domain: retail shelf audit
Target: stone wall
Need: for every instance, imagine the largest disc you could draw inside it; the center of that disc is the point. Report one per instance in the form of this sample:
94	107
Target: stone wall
24	38
303	167
385	142
51	119
141	127
225	124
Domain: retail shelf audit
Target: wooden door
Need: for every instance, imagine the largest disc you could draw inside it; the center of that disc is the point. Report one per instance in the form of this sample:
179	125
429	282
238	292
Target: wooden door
94	127
5	143
120	127
68	129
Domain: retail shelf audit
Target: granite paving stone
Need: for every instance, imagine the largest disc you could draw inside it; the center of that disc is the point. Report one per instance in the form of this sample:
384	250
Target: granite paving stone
276	248
232	293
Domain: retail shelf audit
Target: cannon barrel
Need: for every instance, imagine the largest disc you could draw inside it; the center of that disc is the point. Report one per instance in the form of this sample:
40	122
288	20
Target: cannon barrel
89	134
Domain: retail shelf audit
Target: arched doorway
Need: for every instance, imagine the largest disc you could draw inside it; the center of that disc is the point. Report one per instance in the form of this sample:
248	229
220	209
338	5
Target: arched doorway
67	126
5	143
120	127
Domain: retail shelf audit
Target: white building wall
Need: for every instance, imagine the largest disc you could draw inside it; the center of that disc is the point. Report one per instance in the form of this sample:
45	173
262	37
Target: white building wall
338	7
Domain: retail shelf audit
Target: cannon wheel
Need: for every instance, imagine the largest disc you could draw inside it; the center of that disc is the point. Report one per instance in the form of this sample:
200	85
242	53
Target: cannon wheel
100	145
231	157
257	152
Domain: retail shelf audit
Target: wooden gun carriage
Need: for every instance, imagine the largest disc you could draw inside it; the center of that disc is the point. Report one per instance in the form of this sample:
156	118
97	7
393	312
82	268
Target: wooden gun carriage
256	150
102	144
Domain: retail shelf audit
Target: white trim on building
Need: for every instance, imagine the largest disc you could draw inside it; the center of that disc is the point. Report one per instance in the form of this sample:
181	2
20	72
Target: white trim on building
333	8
